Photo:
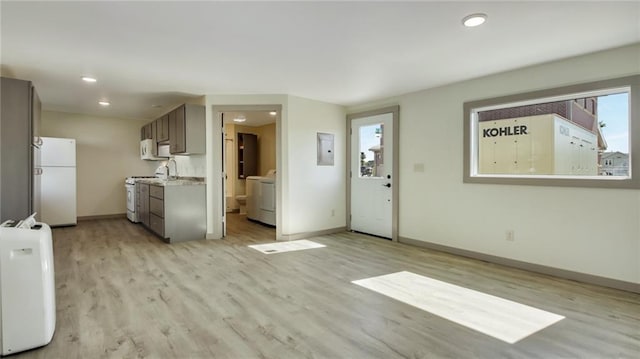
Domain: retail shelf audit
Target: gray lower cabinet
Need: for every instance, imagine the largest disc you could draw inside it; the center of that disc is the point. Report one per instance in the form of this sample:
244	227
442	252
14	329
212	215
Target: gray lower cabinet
156	224
142	202
177	213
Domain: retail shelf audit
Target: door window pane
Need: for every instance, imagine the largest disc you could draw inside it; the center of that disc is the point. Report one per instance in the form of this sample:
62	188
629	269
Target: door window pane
371	150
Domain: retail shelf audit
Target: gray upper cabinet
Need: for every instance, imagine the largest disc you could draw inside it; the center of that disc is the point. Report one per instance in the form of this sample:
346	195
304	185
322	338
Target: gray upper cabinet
146	132
162	129
187	130
177	123
183	129
154	129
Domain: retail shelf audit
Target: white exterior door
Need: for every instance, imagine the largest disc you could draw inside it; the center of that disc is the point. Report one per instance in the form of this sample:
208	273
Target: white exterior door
371	174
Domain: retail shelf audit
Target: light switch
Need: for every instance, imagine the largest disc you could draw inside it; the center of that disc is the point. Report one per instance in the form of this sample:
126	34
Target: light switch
418	167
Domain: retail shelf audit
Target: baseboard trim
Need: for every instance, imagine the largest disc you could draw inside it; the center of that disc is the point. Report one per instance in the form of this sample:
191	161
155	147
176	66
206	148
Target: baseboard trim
211	236
556	272
324	232
103	216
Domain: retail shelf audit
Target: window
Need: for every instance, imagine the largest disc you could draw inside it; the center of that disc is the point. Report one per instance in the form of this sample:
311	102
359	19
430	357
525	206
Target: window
372	150
565	136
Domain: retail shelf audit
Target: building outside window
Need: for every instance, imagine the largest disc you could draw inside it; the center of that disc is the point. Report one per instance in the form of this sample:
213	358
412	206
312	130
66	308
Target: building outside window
553	138
578	135
615	164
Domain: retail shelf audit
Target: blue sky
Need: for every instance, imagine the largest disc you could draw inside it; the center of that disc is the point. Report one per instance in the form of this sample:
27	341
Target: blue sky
614	111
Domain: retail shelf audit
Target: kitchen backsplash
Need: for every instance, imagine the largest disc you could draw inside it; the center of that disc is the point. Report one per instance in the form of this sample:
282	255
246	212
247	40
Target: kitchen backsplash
191	166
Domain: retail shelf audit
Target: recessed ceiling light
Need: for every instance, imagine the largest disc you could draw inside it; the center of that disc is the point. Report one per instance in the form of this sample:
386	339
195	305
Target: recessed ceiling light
88	79
474	20
239	119
104	103
272	113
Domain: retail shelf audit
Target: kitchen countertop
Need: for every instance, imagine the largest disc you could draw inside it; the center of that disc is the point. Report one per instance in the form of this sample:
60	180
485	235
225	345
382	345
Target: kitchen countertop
182	181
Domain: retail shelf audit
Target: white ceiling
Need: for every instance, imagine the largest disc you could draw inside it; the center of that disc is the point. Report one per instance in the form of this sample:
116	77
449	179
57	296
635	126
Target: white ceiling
160	53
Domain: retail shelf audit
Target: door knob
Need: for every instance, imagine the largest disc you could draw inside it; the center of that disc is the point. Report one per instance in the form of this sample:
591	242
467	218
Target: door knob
388	185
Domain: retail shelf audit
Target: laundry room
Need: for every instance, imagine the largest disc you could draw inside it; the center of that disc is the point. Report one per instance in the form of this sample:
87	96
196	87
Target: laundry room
250	165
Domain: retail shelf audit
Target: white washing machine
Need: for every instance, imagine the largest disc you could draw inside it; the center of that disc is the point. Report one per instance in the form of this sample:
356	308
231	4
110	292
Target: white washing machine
253	197
261	198
268	200
27	286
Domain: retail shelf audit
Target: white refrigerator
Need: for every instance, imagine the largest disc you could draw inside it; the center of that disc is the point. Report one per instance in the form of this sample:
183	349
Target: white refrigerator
58	181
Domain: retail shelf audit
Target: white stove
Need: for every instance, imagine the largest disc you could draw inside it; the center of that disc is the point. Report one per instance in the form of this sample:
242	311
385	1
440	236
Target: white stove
130	185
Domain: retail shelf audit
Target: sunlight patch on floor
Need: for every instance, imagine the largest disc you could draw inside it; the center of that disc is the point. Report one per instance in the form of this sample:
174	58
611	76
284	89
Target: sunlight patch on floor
280	247
500	318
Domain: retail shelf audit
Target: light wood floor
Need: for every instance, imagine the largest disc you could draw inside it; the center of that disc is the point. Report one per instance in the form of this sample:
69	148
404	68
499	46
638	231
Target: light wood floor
123	293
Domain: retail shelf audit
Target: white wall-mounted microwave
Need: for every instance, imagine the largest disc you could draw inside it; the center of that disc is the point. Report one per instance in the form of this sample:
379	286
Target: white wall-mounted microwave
149	151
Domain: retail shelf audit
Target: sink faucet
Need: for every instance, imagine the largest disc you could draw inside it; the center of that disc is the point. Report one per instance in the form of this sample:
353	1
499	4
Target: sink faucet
175	169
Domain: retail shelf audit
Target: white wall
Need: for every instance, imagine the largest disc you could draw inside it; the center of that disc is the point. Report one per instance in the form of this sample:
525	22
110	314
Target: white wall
592	231
314	191
107	151
267	148
191	166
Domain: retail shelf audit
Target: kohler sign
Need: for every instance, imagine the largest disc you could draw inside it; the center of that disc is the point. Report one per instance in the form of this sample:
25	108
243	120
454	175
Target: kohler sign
505	131
536	145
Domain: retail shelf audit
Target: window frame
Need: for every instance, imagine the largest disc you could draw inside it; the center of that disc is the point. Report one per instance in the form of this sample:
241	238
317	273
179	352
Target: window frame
470	153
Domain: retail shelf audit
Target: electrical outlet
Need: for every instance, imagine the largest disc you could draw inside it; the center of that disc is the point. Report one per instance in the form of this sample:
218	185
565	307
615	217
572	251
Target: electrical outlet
333	213
510	235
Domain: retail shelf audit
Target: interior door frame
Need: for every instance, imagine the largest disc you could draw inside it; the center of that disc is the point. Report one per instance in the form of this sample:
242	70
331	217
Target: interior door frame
225	176
395	190
218	120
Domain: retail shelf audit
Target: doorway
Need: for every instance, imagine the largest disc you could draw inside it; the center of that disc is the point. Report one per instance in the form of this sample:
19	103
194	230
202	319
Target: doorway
373	172
249	169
